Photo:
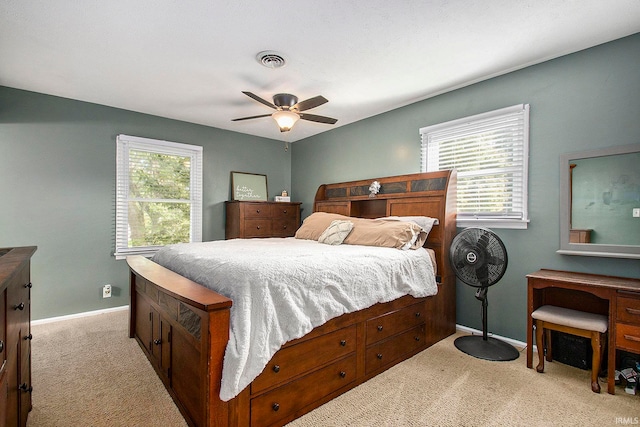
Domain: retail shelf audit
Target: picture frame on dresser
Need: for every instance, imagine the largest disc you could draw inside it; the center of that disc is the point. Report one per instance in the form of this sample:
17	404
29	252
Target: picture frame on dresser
247	186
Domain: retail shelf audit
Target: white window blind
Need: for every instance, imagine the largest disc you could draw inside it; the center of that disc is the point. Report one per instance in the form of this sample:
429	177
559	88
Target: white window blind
490	151
158	195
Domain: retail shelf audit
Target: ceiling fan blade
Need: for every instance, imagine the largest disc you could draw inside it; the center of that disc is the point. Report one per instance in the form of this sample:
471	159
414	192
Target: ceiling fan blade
319	119
252	117
260	100
310	103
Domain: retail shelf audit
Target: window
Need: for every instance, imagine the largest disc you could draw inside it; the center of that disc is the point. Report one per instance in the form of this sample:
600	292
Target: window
158	195
491	153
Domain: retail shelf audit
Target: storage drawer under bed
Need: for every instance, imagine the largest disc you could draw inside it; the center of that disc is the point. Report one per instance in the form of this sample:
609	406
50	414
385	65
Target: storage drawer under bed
297	359
285	401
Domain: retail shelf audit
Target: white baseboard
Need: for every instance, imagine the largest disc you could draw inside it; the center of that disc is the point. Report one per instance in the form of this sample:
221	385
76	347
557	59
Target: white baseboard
515	343
79	315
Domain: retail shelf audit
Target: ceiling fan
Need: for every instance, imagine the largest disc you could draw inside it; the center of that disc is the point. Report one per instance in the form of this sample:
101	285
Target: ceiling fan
289	110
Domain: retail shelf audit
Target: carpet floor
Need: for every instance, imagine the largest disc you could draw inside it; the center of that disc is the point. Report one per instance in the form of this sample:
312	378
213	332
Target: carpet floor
87	372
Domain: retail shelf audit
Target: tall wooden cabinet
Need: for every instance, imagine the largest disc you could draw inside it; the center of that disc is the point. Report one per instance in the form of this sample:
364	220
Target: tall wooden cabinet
261	219
15	335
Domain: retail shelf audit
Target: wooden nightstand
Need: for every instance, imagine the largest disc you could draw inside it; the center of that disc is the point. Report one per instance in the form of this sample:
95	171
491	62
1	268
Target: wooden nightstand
261	219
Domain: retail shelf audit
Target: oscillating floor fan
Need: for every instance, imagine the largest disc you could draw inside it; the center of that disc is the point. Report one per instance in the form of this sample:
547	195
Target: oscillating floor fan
479	259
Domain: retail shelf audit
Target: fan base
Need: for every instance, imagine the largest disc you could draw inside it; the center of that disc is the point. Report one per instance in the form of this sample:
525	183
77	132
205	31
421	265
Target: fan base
489	349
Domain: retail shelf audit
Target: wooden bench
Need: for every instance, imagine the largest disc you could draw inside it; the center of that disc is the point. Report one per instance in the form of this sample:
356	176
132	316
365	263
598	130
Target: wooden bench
574	322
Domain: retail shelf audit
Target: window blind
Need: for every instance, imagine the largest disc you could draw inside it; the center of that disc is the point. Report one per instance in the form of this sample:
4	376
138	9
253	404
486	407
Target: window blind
158	194
490	153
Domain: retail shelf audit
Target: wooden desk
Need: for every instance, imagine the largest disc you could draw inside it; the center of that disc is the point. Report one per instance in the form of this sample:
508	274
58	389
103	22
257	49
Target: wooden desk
616	297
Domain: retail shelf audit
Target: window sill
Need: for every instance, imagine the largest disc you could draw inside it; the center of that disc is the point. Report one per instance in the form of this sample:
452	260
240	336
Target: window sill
144	252
515	224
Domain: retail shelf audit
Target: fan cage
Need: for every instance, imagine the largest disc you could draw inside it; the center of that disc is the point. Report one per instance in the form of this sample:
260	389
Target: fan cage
478	257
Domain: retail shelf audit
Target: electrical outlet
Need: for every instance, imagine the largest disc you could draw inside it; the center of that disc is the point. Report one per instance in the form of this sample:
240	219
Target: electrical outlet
106	291
636	212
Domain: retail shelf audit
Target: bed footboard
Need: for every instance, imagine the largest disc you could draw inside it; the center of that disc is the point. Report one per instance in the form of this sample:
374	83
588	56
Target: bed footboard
183	329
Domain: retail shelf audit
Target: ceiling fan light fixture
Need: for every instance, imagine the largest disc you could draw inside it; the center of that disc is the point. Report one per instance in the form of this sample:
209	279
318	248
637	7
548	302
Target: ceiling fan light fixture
285	119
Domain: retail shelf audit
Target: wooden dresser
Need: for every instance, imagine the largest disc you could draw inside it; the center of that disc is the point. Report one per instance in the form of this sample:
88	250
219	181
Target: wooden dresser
261	219
616	297
15	335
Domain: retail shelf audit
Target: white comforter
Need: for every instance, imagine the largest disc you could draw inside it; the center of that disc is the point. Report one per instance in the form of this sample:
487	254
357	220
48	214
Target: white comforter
282	288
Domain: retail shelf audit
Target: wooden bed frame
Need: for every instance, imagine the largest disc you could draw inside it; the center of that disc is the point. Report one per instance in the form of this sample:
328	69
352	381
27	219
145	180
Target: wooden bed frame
183	327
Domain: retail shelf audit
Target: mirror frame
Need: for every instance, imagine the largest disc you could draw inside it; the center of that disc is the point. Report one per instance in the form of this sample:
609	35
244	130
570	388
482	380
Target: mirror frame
589	249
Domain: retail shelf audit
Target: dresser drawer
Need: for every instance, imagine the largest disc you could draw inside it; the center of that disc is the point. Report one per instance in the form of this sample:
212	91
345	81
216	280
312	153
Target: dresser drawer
297	359
257	228
628	310
391	323
385	352
284	401
18	299
257	210
284	211
628	337
283	227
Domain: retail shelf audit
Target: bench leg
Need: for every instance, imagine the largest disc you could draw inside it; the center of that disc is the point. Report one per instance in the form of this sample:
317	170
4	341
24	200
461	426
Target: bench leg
548	346
595	361
540	345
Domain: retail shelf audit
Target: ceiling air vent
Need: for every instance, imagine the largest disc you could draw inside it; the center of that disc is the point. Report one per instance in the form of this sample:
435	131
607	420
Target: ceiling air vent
271	59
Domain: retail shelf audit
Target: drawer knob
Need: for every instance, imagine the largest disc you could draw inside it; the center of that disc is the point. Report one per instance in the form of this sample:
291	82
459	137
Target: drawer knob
257	210
1	346
416	338
284	227
379	356
157	342
28	337
19	306
284	211
258	227
276	368
275	407
23	387
418	314
28	285
343	374
380	328
343	342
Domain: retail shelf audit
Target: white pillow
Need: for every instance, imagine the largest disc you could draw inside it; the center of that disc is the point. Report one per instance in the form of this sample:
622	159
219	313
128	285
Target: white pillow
336	232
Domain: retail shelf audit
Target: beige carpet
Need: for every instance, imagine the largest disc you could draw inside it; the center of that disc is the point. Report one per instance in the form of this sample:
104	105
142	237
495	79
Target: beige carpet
87	372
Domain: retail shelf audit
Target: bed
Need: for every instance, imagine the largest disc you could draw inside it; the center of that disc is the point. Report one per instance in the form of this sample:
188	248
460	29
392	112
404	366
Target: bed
184	328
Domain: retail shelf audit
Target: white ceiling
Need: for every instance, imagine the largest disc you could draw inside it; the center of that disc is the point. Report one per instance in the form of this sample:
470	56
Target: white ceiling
189	60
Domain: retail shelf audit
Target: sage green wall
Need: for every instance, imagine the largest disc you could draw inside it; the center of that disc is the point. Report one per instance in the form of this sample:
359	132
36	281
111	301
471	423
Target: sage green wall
586	100
57	189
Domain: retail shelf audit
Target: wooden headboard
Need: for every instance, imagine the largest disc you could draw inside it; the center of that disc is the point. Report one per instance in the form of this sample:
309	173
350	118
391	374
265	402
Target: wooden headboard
430	194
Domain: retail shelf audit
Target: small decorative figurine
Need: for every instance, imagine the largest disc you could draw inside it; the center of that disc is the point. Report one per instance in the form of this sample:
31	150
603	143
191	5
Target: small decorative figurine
374	188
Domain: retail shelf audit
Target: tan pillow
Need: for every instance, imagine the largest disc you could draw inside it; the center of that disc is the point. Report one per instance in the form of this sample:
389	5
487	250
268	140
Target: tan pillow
367	232
386	233
336	232
425	222
315	224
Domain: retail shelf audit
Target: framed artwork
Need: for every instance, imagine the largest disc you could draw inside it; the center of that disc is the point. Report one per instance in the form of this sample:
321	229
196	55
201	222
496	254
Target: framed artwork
248	186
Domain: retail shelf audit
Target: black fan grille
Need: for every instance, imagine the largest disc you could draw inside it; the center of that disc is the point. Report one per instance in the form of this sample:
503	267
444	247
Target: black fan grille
478	257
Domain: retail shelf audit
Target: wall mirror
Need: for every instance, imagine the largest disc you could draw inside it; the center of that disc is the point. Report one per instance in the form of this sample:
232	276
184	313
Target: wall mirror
600	202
